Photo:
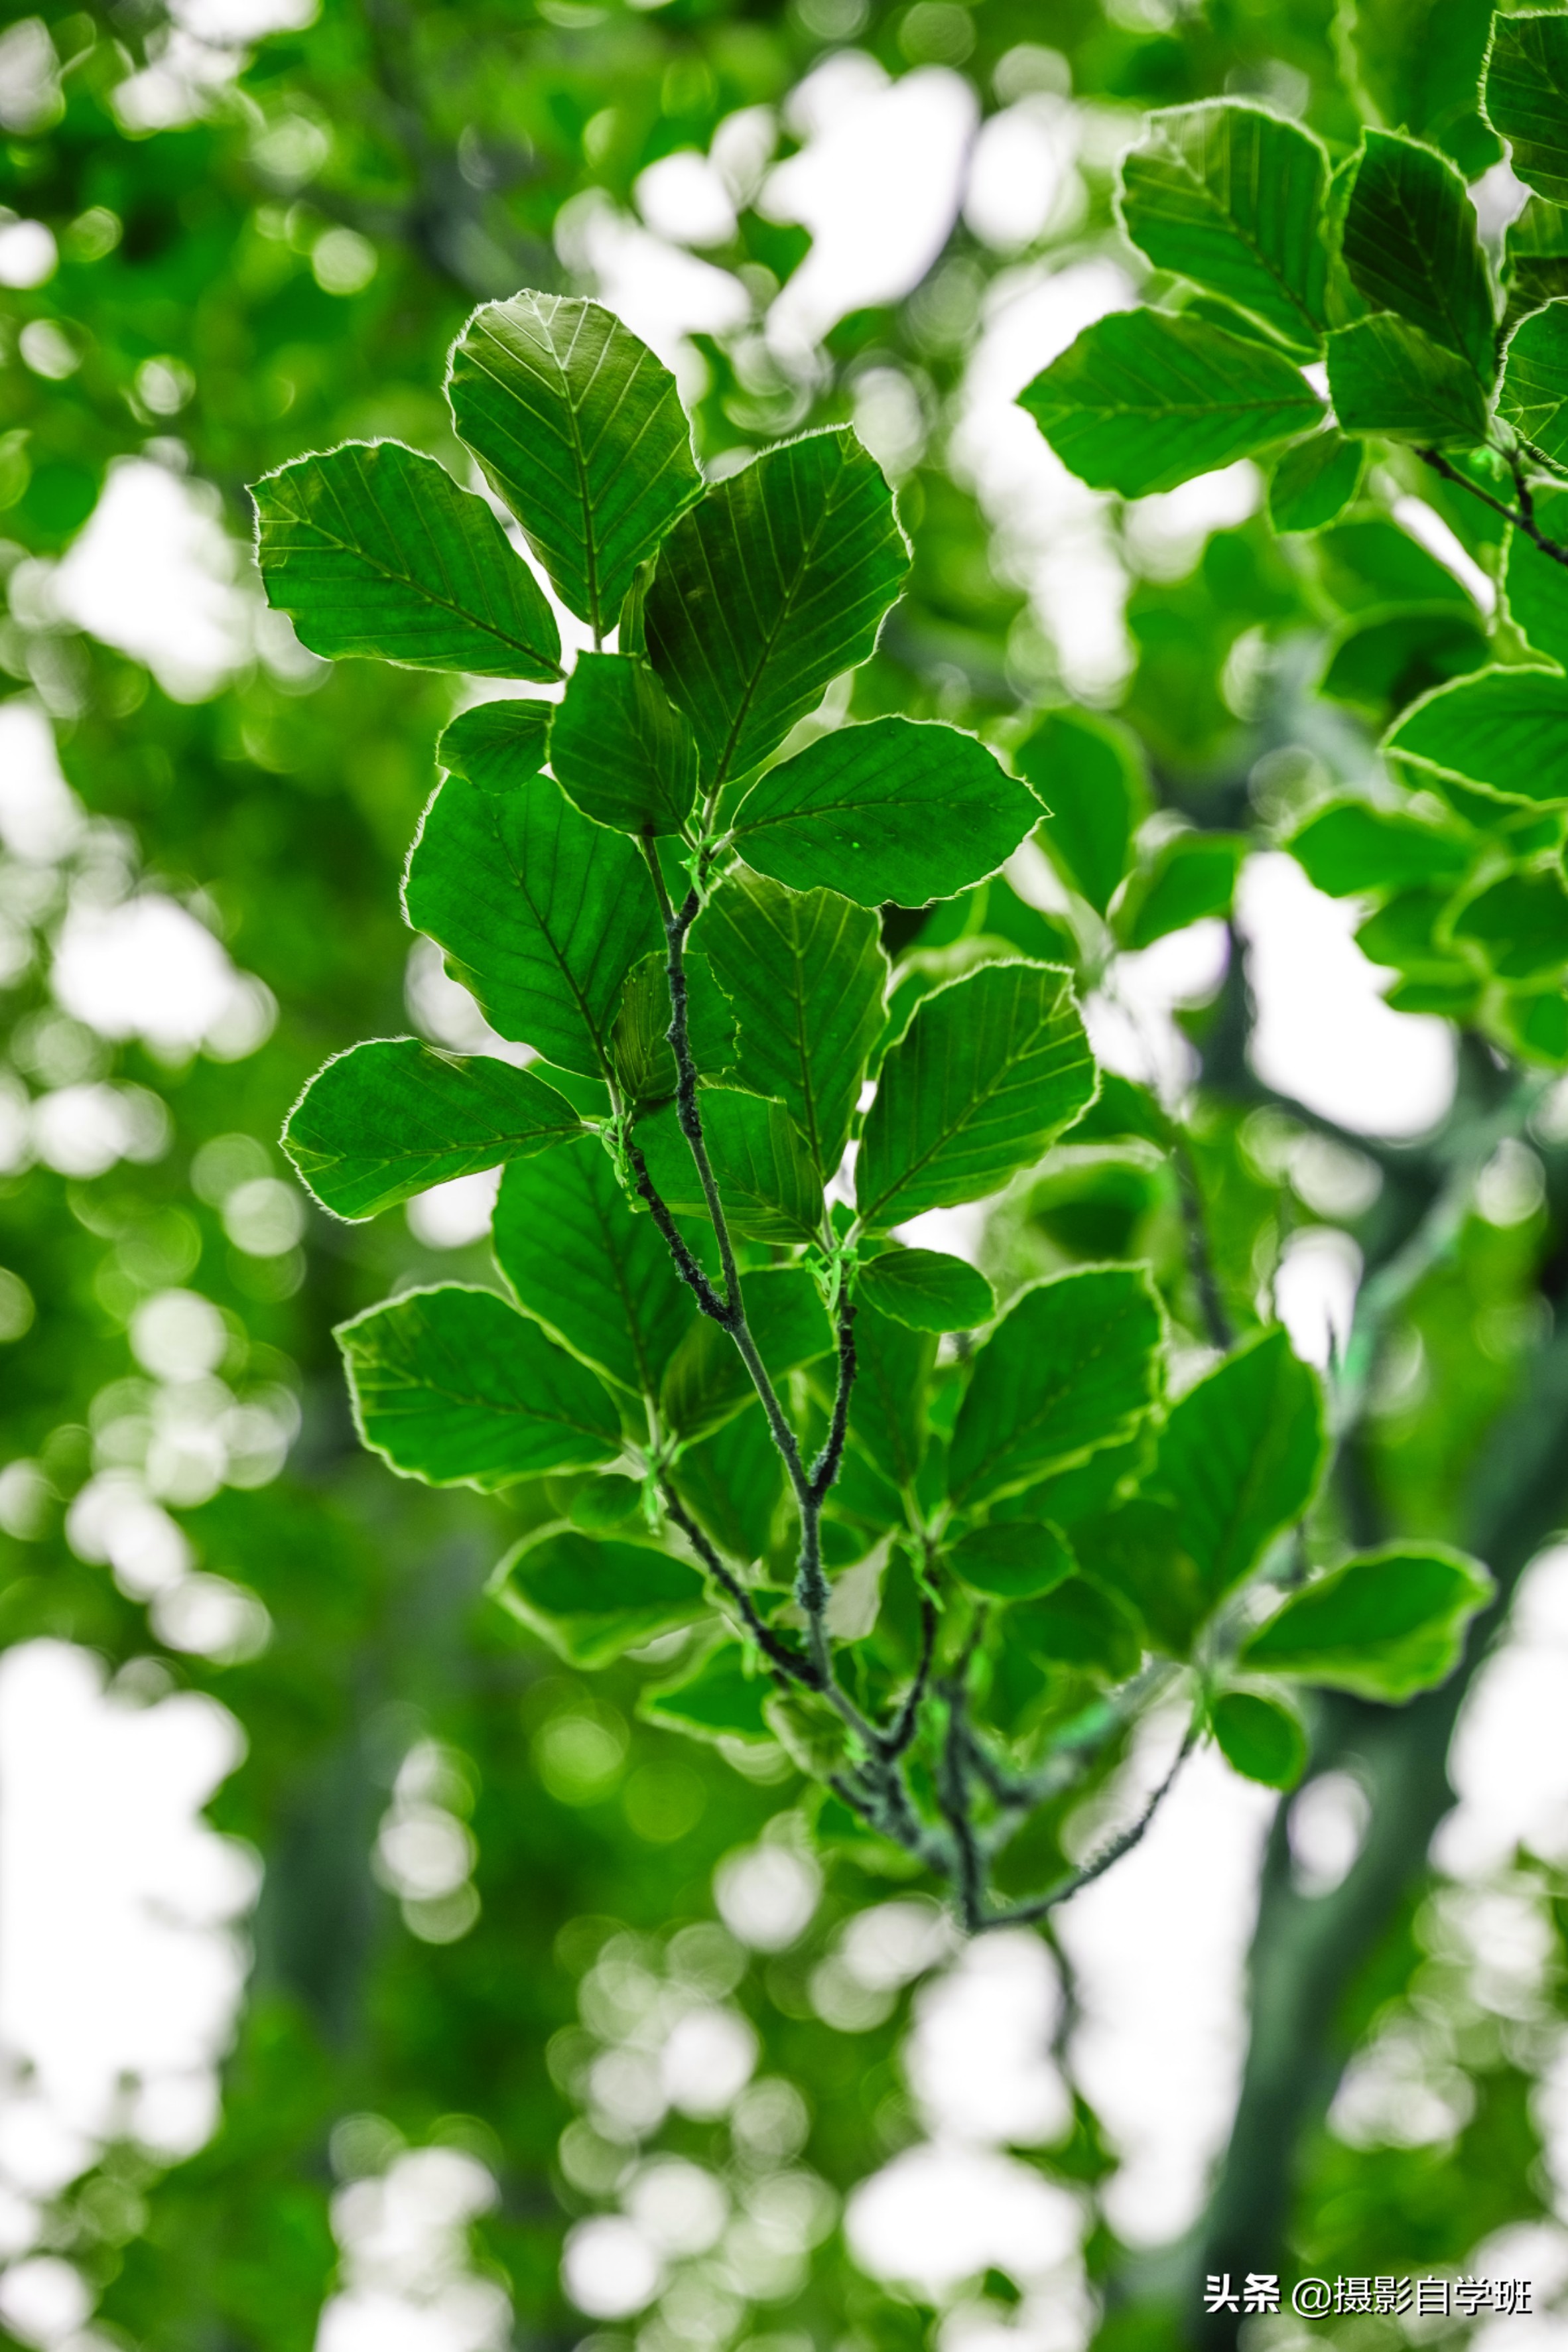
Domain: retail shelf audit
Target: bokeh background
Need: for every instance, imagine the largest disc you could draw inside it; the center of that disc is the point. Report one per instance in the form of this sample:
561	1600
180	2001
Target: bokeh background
367	1980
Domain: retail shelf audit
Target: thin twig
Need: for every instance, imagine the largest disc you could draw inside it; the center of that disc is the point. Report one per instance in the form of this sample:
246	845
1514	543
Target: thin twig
1020	1914
895	1742
1523	517
1200	1253
789	1662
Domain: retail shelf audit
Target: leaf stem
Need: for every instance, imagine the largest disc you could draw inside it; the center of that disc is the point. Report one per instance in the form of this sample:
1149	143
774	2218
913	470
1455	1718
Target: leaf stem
1521	517
1036	1906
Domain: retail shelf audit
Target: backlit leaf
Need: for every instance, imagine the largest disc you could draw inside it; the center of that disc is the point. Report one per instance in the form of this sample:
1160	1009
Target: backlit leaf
1090	773
1387	1624
1386	376
707	1381
542	913
1144	400
1527	98
1017	1559
989	1072
1074	1365
374	550
927	1291
497	745
453	1386
1533	394
620	750
1519	924
596	1277
1262	1738
716	1699
1504	731
1191	876
1239	1459
770	589
899	809
386	1120
806	975
1536	583
1412	245
1232	197
1315	480
591	1597
580	429
1349	846
769	1187
640	1053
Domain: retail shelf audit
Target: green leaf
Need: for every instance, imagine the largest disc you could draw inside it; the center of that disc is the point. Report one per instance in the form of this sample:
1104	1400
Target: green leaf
1378	665
1404	934
1348	848
1535	261
1144	400
454	1387
1192	874
1074	1365
1239	1459
640	1052
542	913
580	429
1369	562
620	750
770	589
1091	773
886	1404
927	1291
1386	376
1412	245
806	975
386	1120
733	1478
594	1276
899	809
1232	198
769	1187
590	1598
1386	1625
1527	98
1015	1561
706	1382
1079	1625
1519	924
1417	63
1535	584
1504	731
374	550
989	1072
1534	395
497	745
716	1699
1262	1738
1315	480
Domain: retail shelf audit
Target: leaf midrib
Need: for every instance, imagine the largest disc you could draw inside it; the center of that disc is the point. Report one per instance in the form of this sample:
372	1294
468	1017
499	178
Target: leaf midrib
1200	188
